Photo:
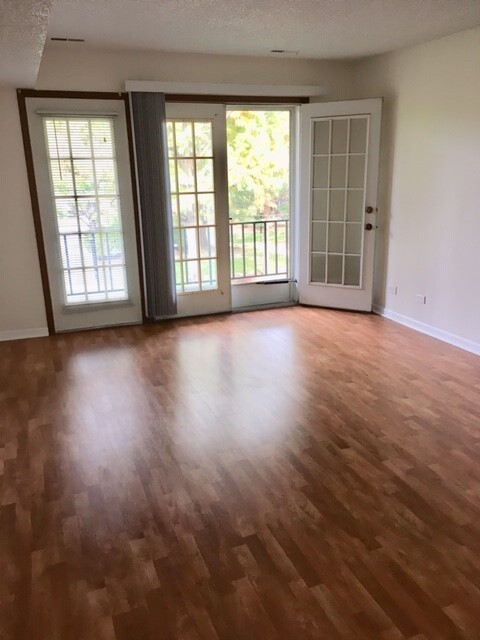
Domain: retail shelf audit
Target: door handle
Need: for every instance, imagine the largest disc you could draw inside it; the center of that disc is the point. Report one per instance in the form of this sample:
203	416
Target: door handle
369	226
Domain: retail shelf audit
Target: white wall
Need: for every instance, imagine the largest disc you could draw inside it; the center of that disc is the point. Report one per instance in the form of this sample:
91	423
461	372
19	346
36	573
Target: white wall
430	183
22	310
74	68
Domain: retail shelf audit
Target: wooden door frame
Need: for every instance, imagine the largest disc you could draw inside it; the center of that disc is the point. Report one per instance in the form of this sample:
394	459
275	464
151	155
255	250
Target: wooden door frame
22	95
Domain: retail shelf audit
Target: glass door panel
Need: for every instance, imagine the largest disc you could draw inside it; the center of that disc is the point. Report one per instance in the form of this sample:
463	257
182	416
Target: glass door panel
196	149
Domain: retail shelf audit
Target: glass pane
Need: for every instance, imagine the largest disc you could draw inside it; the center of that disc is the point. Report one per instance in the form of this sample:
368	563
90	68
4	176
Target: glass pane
209	274
184	139
57	138
113	248
356	171
190	270
74	285
179	276
66	211
337	205
109	210
338	171
208	245
320	172
335	269
84	177
203	139
186	175
95	280
177	244
319	236
102	138
71	253
80	138
92	250
189	244
353	238
335	237
62	179
358	135
88	214
87	144
170	142
173	176
206	208
176	221
117	288
321	136
106	176
355	206
318	267
352	270
188	210
205	175
339	136
319	205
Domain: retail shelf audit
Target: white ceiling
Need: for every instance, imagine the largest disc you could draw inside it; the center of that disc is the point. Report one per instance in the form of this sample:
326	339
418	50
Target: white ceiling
314	28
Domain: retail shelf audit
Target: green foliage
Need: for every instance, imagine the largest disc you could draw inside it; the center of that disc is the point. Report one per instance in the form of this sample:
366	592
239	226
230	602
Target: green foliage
258	164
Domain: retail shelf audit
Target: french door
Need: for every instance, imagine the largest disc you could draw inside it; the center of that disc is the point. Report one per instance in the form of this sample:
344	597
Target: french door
339	152
82	171
199	189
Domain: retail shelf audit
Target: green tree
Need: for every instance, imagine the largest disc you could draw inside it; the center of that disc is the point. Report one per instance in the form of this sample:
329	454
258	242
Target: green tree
258	164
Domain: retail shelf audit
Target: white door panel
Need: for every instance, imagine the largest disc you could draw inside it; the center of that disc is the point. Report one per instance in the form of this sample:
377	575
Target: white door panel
339	151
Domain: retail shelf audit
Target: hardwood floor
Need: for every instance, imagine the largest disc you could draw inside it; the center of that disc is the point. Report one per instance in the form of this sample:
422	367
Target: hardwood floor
286	474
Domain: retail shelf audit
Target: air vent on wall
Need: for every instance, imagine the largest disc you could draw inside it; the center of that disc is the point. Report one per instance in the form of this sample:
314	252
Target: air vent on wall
67	39
284	52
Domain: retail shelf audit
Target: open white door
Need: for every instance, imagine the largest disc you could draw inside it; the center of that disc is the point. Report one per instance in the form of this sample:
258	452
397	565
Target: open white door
339	152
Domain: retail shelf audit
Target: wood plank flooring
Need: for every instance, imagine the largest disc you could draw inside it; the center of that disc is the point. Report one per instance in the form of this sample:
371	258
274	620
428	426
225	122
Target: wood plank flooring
286	474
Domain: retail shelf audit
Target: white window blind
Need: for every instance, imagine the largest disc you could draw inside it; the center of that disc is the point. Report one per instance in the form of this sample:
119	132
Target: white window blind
84	182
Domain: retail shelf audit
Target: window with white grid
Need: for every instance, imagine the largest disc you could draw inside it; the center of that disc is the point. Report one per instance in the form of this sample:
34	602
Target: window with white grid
83	172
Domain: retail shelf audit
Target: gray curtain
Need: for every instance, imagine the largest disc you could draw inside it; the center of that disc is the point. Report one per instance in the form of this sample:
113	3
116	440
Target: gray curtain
149	124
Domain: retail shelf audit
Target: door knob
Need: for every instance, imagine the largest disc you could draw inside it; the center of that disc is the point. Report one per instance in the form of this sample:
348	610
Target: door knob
369	209
369	227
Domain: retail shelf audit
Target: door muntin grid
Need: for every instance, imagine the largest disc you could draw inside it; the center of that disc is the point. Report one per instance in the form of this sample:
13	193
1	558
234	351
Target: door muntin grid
191	165
86	200
338	183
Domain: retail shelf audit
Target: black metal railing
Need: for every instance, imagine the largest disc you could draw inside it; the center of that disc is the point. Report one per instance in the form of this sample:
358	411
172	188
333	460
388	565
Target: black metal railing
259	249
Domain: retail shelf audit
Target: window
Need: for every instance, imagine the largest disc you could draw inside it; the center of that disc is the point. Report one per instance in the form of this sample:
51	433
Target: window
84	183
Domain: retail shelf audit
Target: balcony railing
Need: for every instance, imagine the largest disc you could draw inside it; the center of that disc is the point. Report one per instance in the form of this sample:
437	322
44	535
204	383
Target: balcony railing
259	249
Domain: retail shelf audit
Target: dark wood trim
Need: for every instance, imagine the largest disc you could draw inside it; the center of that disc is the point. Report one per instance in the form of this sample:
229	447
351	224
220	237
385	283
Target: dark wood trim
32	185
136	211
222	99
77	95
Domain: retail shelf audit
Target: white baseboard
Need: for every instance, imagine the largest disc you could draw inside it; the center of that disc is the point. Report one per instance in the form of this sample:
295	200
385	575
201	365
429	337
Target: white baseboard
445	336
21	334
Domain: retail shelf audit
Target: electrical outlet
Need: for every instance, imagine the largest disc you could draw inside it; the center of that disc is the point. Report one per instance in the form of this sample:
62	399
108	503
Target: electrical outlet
420	298
392	289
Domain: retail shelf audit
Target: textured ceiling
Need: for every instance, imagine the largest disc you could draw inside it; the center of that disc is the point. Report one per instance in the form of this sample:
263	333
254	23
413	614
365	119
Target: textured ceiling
313	28
23	29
